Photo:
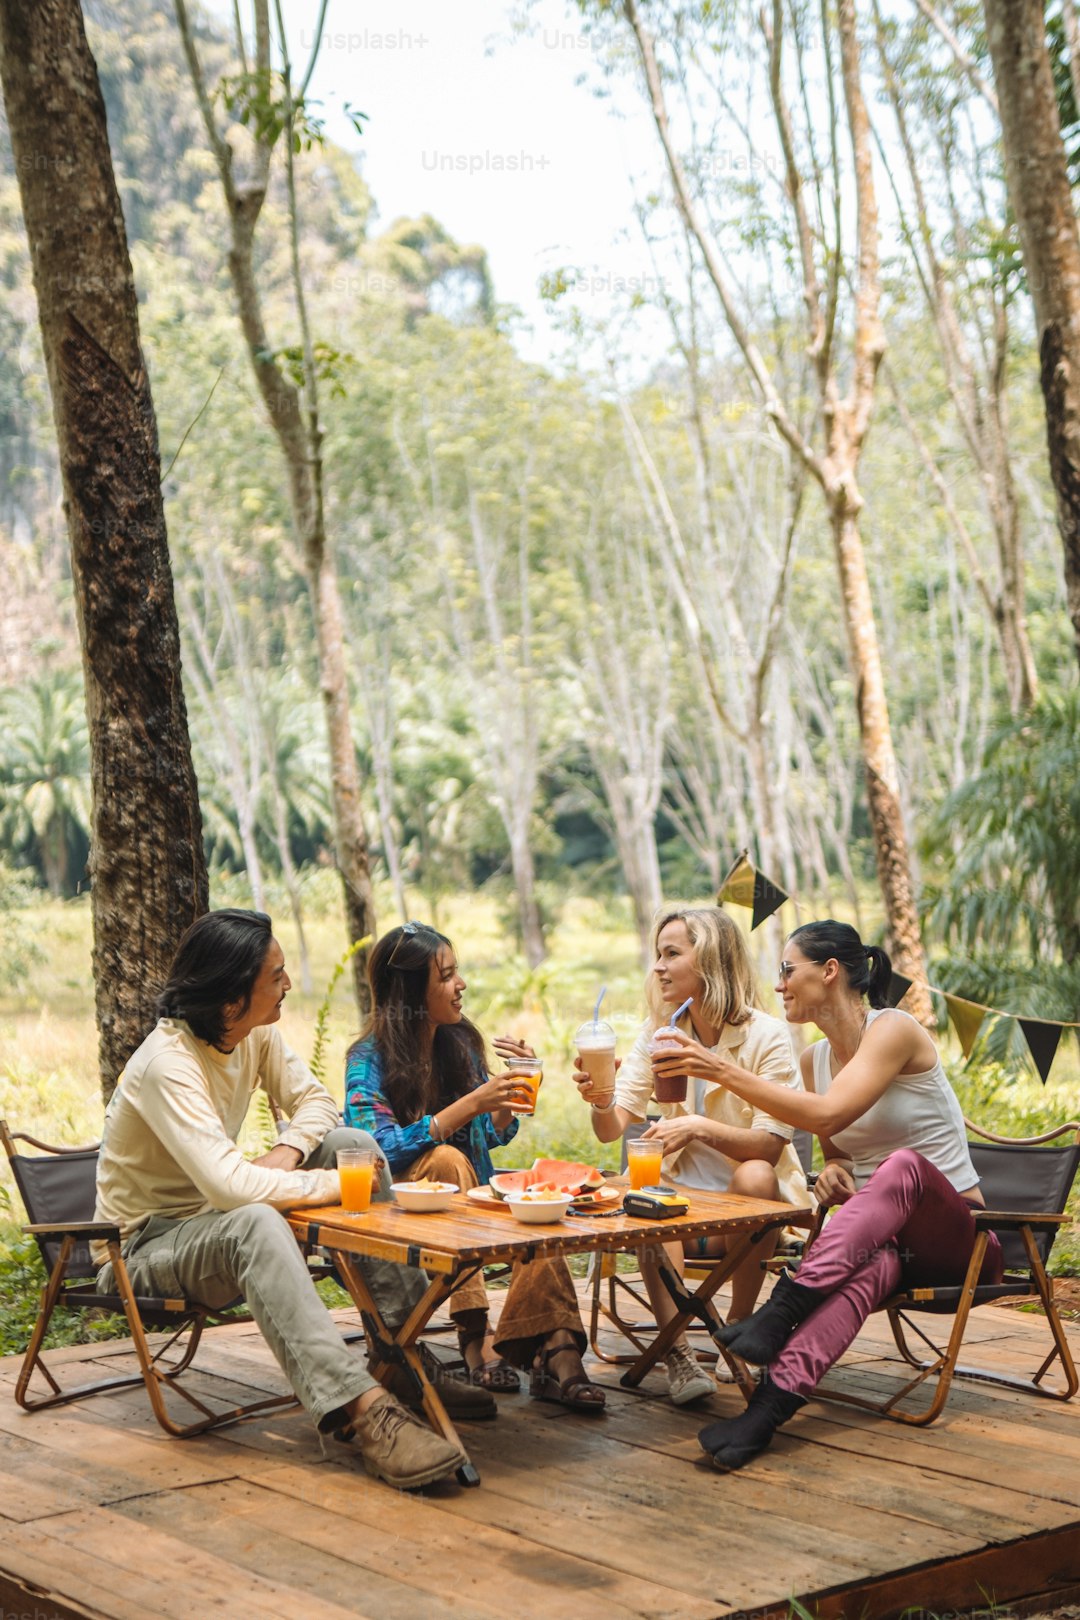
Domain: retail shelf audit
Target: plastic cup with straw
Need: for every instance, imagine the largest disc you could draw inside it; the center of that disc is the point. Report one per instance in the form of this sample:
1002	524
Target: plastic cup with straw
595	1042
668	1088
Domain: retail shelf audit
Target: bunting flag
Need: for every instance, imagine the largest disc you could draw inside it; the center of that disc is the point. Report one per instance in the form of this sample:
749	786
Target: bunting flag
898	988
1042	1038
738	887
967	1017
745	885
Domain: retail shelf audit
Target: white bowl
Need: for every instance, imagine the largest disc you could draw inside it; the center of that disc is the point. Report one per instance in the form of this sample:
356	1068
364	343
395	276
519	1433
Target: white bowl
423	1200
540	1212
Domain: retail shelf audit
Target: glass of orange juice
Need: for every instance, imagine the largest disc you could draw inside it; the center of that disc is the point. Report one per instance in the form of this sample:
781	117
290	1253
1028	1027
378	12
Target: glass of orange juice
356	1169
527	1072
643	1161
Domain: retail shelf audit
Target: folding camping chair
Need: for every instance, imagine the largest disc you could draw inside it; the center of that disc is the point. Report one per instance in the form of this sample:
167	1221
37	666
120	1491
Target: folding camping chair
57	1186
1026	1186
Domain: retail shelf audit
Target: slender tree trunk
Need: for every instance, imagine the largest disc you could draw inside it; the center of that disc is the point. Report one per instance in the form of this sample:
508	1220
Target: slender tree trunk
1038	182
300	441
879	759
532	929
288	872
846	418
146	857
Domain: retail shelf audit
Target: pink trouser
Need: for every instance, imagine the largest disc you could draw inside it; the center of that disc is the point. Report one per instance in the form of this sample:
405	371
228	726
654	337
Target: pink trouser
908	1225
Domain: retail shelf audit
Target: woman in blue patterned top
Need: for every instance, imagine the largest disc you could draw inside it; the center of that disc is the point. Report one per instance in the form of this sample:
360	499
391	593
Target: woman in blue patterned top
417	1079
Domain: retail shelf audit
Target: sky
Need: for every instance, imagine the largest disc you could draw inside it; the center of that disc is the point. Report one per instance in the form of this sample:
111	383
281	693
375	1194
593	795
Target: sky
490	132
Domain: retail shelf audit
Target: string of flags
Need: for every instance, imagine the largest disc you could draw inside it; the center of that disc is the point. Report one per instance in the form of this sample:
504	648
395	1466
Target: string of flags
746	885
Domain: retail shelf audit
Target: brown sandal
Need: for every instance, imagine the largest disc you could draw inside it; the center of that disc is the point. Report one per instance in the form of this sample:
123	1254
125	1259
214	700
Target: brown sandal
575	1392
498	1376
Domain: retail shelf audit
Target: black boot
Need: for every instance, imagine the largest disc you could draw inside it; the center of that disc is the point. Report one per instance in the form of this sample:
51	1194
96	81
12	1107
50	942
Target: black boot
761	1337
735	1442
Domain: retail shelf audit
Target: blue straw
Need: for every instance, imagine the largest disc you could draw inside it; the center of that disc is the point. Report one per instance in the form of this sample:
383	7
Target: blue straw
677	1014
596	1009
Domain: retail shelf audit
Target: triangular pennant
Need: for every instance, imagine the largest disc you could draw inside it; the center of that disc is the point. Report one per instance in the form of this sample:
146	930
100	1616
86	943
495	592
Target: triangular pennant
768	897
738	887
1042	1039
898	989
967	1017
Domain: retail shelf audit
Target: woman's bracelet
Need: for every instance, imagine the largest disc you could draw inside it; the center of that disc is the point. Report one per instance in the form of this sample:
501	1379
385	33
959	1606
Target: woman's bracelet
602	1108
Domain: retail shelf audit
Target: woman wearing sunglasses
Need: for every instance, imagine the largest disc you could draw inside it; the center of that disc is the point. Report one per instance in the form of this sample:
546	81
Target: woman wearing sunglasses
417	1080
897	1164
712	1140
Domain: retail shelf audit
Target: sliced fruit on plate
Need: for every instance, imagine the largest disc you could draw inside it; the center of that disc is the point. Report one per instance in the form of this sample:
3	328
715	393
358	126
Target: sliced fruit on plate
566	1173
507	1182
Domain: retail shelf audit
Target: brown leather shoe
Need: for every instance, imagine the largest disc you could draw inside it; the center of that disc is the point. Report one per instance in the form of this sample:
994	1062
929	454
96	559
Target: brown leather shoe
398	1448
461	1398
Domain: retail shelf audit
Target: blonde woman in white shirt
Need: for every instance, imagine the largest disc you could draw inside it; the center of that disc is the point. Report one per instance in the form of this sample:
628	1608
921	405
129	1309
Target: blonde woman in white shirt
712	1140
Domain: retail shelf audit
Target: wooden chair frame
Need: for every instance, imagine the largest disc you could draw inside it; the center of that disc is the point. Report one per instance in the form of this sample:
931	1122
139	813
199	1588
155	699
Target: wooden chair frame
943	1365
159	1369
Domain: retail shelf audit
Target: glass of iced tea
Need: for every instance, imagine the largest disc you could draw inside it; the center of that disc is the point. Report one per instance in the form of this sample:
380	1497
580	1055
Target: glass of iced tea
527	1072
356	1170
643	1160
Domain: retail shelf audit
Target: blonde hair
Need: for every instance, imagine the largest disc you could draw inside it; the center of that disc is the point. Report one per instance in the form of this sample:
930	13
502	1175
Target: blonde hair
721	960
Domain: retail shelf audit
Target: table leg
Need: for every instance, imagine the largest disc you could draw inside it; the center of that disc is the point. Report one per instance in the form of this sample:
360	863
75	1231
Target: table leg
405	1341
726	1264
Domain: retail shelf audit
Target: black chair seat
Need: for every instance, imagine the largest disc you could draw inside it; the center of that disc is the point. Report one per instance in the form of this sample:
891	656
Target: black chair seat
58	1188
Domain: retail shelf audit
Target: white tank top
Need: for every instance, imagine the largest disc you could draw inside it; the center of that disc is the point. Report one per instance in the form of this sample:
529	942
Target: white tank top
918	1111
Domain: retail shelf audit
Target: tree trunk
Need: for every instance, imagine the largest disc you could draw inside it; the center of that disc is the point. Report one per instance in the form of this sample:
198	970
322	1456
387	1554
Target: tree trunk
879	759
846	420
1038	183
532	929
146	859
300	441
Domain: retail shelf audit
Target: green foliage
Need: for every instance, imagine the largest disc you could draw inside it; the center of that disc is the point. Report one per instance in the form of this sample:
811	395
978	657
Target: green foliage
250	98
1004	849
19	949
22	1277
45	774
322	1017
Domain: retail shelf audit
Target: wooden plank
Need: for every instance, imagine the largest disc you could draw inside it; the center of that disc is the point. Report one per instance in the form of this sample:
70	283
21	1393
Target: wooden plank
427	1566
647	1511
310	1549
1047	1564
170	1577
901	1490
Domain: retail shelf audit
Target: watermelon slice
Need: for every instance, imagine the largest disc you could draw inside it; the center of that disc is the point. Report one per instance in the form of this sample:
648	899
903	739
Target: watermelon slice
567	1174
564	1174
508	1182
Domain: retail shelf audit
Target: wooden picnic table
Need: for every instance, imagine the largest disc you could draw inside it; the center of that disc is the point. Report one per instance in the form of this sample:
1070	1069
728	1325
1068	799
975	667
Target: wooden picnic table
454	1244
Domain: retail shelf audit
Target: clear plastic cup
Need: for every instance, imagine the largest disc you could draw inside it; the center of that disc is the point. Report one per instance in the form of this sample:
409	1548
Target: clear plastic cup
643	1160
527	1072
356	1170
666	1088
595	1042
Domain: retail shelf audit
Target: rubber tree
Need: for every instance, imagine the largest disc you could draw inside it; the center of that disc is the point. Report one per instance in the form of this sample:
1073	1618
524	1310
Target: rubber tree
1042	201
148	874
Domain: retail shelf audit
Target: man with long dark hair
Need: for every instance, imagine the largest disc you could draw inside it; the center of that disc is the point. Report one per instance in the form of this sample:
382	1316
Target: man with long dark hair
199	1219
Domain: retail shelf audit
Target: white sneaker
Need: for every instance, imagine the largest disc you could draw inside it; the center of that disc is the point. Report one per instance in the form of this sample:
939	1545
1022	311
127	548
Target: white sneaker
723	1374
687	1379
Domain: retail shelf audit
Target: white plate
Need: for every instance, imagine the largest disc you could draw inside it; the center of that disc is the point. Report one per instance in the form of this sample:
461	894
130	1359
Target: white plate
485	1197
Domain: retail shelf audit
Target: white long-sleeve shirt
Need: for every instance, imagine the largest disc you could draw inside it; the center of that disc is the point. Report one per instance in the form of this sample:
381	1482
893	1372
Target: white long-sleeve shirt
169	1143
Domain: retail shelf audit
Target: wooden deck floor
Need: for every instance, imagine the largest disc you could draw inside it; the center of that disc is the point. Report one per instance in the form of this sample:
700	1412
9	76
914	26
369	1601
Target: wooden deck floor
101	1514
